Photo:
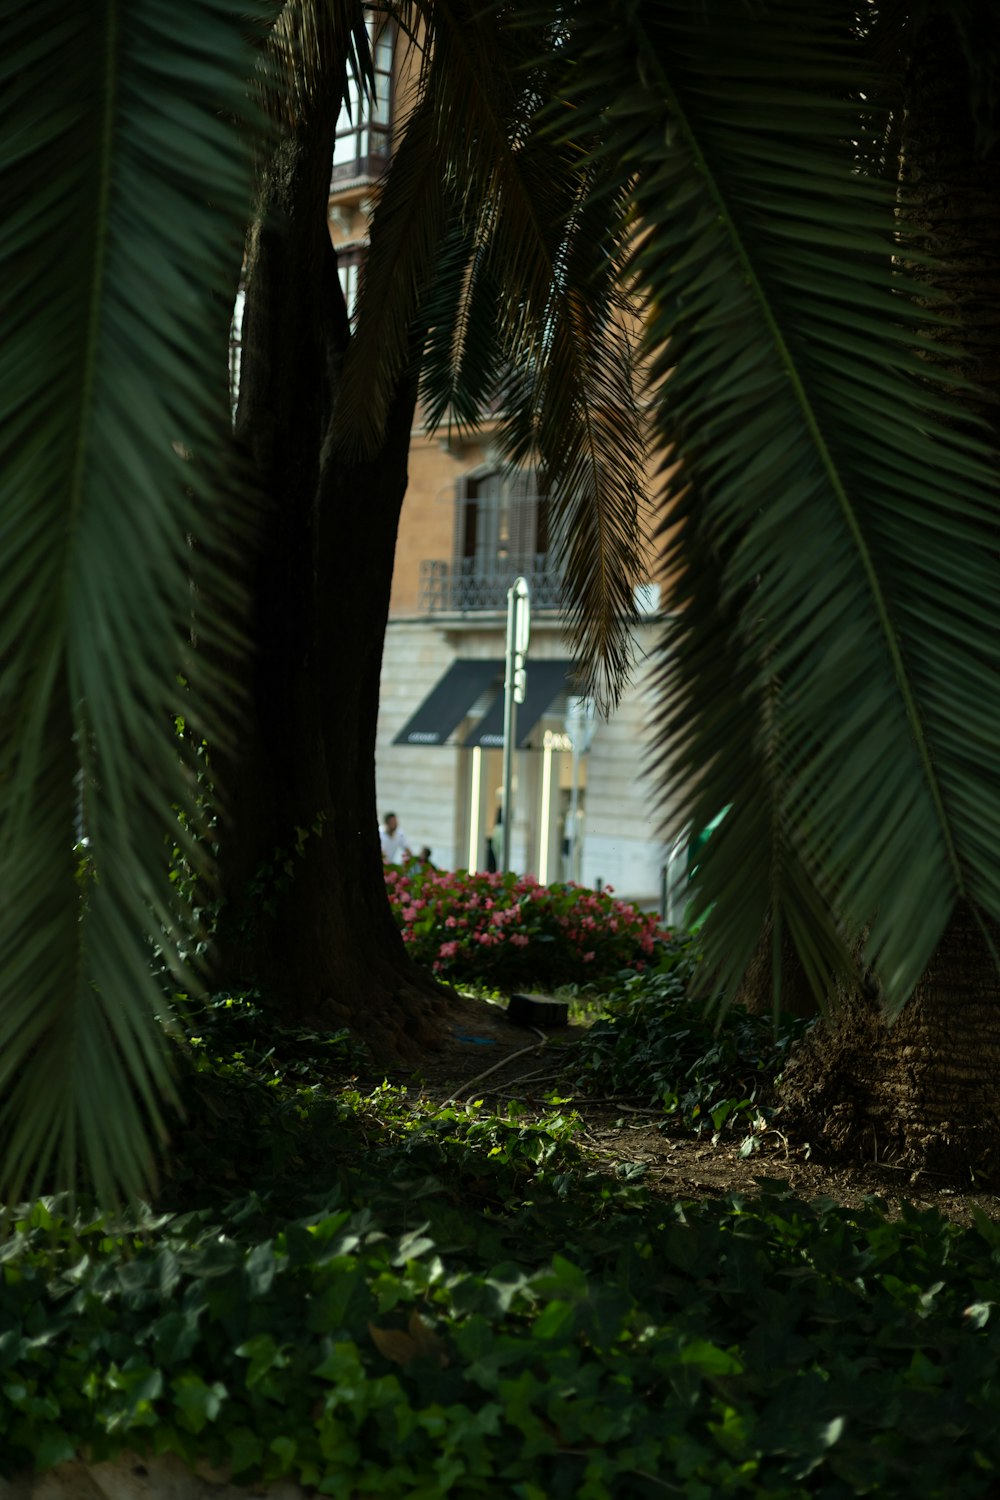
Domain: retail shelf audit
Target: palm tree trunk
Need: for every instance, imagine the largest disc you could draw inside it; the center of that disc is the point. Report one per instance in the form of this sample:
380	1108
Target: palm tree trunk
920	1093
305	915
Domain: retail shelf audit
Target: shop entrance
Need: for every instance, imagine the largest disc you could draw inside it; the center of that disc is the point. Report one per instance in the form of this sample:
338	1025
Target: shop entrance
547	836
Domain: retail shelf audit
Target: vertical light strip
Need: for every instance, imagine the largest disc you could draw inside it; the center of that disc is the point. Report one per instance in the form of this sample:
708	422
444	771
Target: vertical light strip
477	767
543	832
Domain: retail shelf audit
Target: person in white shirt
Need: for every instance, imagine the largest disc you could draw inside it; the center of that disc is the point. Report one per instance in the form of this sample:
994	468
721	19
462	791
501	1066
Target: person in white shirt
395	844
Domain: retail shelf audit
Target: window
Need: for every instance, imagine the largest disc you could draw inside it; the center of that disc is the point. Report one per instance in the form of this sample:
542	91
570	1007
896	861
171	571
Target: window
503	522
503	528
361	148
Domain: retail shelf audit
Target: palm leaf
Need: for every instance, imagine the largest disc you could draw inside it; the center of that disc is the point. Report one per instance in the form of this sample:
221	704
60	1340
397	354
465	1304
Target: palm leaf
463	360
528	217
126	187
837	503
293	74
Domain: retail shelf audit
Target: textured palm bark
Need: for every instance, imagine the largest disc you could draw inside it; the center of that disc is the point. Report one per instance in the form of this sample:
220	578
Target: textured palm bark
950	198
305	915
923	1092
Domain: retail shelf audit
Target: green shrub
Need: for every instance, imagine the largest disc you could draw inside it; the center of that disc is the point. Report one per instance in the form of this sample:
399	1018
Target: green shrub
658	1043
508	930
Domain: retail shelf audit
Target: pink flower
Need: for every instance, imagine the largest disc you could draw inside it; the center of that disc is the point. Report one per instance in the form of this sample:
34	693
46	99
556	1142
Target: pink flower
450	922
588	958
447	950
519	940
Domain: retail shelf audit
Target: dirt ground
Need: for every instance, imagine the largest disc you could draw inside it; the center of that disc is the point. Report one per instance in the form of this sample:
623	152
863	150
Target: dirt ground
487	1057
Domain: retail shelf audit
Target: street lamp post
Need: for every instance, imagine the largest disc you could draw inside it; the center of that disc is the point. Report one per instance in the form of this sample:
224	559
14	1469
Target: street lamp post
514	682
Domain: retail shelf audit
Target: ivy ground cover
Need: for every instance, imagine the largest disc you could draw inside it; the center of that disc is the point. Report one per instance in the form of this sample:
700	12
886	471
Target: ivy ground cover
381	1297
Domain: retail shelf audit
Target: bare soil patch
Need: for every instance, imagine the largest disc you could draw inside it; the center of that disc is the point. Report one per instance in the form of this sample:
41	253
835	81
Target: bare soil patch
485	1057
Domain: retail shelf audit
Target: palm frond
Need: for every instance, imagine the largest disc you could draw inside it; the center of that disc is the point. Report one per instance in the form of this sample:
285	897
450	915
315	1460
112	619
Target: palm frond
726	742
127	186
537	229
462	363
293	73
837	498
571	400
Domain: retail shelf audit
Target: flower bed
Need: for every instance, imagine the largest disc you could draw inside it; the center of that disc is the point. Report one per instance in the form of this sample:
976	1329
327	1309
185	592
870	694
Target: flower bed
507	929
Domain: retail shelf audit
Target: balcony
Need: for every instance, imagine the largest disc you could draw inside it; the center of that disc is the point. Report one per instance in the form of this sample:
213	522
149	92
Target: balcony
360	170
465	585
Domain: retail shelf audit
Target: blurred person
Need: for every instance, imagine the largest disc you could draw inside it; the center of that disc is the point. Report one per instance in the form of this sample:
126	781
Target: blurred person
395	844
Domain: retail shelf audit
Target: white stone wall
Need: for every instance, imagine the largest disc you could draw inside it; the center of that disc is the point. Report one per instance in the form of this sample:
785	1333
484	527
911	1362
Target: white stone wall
417	782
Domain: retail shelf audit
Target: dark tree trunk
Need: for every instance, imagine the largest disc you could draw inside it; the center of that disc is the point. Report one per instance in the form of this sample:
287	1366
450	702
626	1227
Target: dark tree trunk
923	1092
305	914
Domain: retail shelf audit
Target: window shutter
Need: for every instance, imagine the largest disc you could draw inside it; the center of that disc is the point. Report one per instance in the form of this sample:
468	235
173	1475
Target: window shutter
523	506
465	517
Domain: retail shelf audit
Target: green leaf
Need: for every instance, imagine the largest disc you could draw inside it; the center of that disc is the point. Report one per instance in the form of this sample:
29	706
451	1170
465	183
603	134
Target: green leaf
555	1321
54	1447
259	1269
819	679
199	1402
284	1449
126	183
710	1359
264	1355
977	1314
245	1449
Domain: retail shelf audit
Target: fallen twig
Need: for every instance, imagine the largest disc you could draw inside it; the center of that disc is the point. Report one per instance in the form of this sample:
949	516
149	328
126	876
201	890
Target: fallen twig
471	1083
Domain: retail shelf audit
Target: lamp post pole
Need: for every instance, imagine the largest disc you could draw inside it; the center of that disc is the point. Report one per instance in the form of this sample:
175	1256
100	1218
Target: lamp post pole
515	679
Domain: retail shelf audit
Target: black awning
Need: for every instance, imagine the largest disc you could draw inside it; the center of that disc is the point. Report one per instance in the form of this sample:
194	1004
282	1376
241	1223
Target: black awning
545	681
447	704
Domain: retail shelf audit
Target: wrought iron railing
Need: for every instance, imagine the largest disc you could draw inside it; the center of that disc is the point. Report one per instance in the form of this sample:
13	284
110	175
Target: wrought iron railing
464	584
364	167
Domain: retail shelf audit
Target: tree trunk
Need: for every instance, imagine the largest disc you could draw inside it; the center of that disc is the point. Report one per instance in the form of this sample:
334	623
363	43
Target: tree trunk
305	914
923	1091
